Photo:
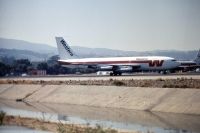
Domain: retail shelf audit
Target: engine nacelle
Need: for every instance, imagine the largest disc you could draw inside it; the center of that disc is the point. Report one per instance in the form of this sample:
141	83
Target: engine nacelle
106	68
93	67
123	69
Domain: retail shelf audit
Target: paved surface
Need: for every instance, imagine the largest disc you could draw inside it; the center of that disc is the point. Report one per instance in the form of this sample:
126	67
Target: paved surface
139	98
94	77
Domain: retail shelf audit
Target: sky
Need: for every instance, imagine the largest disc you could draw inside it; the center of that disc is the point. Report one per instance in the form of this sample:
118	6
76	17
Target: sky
133	25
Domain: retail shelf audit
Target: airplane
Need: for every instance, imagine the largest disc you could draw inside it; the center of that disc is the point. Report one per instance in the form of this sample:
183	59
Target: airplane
117	65
190	65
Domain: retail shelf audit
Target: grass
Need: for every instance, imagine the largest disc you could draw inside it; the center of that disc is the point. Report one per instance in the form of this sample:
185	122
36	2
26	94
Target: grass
54	127
61	128
74	129
43	128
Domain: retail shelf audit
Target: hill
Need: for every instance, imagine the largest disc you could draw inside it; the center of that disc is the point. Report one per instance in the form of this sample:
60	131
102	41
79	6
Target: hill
25	45
23	54
36	51
103	52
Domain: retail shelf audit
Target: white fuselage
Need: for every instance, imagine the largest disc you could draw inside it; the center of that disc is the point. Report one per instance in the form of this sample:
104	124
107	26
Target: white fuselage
143	63
117	65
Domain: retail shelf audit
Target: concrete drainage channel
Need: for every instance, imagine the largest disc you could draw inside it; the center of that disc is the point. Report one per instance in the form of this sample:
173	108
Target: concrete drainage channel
174	100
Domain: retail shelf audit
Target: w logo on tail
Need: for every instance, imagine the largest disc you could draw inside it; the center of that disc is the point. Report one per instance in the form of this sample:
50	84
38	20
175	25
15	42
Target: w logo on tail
66	47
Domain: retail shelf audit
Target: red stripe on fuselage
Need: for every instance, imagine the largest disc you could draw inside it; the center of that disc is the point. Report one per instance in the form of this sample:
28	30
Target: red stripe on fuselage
103	62
151	63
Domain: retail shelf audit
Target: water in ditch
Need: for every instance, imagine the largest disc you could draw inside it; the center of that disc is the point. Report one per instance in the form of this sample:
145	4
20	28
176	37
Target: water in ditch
120	119
18	129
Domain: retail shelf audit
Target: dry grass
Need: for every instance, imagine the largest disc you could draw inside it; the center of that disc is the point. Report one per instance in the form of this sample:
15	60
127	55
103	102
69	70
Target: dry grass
156	83
54	127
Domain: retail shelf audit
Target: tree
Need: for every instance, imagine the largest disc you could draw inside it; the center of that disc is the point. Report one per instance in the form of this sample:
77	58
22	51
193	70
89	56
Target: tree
53	60
4	69
42	66
7	60
21	66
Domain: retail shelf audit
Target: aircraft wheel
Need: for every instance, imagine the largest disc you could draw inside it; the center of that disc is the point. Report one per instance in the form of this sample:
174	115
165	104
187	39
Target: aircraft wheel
163	72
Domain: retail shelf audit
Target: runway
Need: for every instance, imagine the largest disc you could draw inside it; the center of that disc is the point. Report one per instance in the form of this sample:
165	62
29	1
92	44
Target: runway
96	77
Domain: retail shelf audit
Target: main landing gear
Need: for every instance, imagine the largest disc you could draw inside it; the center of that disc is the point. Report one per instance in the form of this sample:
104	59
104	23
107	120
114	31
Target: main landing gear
115	74
164	72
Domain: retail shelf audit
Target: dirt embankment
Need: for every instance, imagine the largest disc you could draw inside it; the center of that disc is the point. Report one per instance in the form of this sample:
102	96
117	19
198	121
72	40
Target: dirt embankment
179	95
152	83
139	98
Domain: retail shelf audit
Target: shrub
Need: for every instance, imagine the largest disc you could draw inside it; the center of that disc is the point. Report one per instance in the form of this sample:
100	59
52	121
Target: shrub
2	115
61	128
118	83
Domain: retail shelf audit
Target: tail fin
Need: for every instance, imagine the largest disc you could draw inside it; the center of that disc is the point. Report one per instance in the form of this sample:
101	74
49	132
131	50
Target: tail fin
197	59
65	52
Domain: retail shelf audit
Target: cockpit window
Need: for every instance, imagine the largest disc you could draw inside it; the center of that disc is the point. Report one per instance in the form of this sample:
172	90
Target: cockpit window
173	60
